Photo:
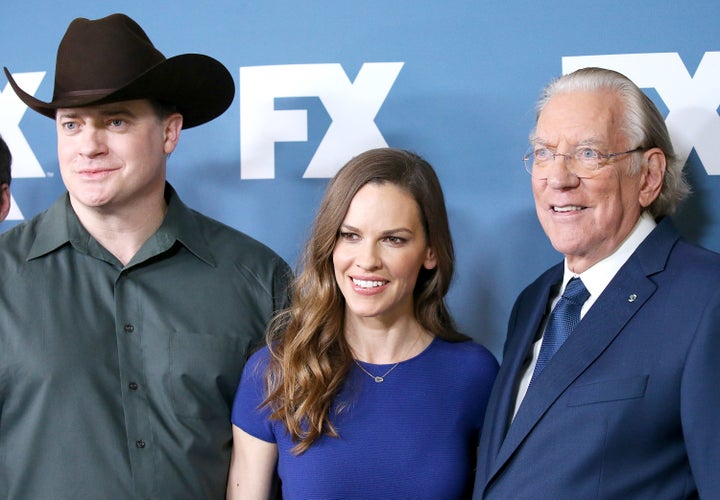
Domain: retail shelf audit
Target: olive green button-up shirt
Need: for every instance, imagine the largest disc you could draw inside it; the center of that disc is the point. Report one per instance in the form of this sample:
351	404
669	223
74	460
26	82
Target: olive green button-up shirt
117	382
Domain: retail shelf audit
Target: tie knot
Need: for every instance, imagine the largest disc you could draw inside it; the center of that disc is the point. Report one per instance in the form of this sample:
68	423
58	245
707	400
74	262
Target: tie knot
576	292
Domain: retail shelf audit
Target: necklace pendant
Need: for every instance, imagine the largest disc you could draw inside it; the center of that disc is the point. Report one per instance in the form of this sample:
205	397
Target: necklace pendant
379	379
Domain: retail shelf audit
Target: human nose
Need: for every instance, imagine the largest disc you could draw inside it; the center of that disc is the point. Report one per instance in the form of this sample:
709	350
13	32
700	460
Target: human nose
92	142
367	257
559	172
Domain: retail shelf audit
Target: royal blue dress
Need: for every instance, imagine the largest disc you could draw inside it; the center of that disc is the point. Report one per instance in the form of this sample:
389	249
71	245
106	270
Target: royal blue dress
414	435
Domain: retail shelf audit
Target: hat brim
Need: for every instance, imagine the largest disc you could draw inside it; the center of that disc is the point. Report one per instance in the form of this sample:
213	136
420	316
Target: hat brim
199	86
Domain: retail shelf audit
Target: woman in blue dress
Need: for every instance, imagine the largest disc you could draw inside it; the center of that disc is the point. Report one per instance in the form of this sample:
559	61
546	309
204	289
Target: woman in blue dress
365	388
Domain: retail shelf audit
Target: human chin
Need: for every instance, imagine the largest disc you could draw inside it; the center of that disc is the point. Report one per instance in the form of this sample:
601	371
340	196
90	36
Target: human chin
356	307
566	239
91	194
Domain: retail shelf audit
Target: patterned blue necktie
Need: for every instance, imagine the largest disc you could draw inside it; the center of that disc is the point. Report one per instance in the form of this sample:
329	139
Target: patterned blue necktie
563	320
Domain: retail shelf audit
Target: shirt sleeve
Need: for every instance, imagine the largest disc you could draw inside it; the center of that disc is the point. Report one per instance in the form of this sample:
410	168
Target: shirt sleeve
246	412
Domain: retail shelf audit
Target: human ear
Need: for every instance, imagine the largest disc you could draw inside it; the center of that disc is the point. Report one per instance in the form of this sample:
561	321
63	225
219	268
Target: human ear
652	176
171	132
4	201
430	259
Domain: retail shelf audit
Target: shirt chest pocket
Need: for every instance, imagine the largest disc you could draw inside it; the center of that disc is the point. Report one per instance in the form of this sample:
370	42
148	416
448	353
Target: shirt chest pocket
204	373
608	390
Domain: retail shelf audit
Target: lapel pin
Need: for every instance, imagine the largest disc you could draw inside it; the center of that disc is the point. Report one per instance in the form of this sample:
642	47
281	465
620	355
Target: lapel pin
632	297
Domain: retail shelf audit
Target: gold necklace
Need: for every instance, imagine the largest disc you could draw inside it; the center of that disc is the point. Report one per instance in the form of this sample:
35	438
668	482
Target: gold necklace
381	378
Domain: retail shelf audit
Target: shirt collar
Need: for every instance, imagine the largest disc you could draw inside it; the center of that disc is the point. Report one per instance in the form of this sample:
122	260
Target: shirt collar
181	224
60	226
55	228
599	275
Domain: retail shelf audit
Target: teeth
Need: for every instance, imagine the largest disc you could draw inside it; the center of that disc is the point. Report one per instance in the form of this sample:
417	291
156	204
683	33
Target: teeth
368	284
567	209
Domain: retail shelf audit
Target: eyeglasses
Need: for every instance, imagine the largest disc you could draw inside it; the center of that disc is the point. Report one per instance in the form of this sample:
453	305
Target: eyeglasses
583	162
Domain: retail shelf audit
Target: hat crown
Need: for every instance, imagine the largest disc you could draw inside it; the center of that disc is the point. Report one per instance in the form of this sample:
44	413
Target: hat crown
99	56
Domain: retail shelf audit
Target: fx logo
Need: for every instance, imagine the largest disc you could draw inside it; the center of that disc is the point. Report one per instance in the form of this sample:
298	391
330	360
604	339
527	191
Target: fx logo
692	101
12	109
352	106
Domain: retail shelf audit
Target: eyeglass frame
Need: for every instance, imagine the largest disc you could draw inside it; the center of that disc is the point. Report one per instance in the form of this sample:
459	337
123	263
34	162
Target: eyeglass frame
574	157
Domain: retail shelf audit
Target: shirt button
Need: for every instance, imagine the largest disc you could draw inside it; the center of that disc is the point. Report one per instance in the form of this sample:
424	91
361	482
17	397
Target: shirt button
129	328
133	386
140	443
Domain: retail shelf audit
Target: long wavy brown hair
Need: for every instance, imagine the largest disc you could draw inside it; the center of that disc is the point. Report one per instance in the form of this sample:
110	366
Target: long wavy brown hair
310	357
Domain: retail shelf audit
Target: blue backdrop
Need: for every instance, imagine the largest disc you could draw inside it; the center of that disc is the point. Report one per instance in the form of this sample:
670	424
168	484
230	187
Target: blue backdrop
455	81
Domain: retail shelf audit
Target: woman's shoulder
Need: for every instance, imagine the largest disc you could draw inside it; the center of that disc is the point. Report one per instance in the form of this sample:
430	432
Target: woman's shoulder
467	353
260	352
466	348
258	360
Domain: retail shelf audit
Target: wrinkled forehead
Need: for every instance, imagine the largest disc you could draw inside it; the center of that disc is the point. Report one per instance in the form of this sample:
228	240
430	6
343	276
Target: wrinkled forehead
580	118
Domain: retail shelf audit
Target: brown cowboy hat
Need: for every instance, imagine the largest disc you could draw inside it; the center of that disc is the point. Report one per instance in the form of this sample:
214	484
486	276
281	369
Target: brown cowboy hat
112	59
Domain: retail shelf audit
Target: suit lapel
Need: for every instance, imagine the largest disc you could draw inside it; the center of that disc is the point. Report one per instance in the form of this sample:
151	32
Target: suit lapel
619	302
622	298
524	322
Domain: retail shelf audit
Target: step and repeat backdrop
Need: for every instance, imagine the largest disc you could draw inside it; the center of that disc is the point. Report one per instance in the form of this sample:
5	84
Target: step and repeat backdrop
322	80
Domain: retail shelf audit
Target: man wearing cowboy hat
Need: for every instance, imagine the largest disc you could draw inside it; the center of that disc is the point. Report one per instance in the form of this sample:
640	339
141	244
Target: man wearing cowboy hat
127	316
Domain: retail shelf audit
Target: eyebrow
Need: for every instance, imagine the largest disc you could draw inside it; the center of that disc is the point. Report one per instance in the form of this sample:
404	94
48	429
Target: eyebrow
591	141
388	232
104	113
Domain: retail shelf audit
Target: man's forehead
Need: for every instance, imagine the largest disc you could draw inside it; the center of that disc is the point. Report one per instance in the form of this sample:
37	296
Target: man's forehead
582	117
134	106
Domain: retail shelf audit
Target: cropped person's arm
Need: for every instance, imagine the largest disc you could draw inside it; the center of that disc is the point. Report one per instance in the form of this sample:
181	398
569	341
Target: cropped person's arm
700	402
251	467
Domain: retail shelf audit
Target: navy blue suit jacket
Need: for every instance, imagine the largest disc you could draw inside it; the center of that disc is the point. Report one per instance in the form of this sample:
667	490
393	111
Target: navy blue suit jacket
629	407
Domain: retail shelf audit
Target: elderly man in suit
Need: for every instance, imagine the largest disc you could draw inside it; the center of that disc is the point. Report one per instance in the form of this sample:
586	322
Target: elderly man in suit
608	386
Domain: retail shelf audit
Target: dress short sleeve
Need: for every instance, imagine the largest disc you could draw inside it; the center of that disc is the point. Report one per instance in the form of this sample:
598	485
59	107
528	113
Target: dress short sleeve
246	411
